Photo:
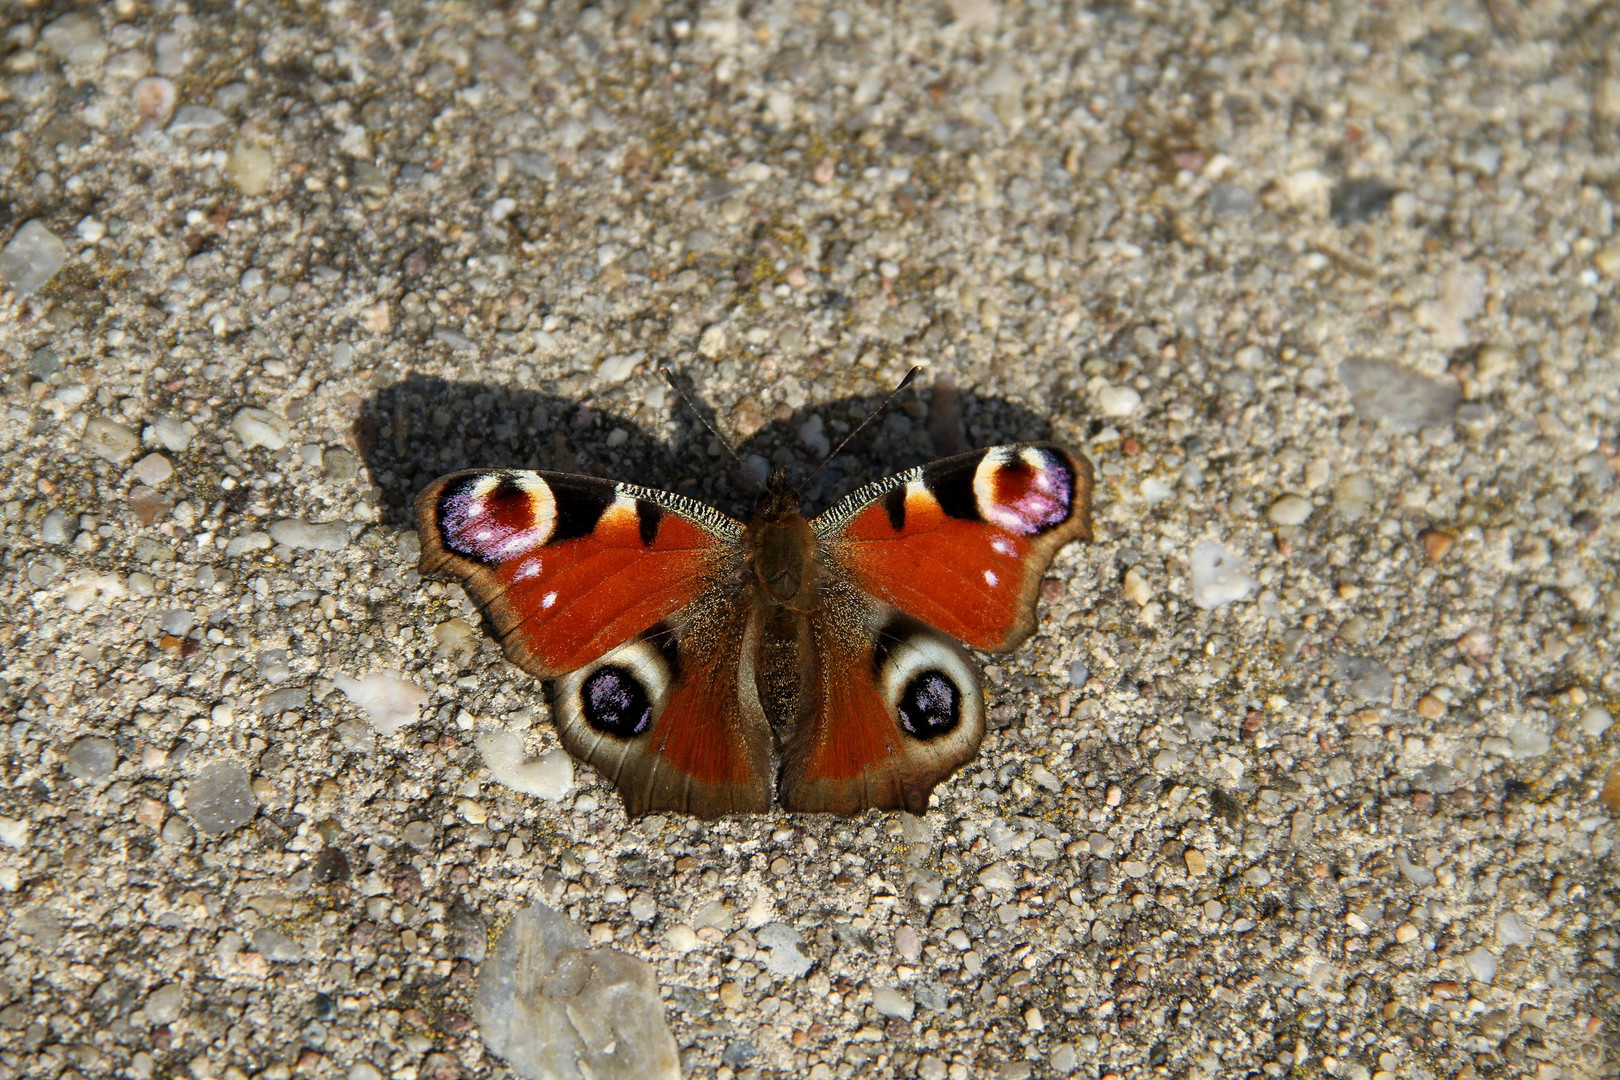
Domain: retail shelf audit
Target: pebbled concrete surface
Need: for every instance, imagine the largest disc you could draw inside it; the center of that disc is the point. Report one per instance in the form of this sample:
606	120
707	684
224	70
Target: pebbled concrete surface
1333	289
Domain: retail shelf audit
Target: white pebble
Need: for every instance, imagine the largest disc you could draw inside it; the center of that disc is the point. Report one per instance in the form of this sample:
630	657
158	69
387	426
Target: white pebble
31	259
153	470
1481	964
681	938
389	700
549	776
169	433
1290	510
1218	576
13	832
1596	720
1155	490
1118	400
713	341
997	877
189	118
260	427
894	1003
1511	930
617	368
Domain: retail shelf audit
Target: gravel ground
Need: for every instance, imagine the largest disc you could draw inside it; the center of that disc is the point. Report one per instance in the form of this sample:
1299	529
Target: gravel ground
1309	770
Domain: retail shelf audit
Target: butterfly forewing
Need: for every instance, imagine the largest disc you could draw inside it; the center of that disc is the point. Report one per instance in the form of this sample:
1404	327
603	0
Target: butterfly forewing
961	544
569	567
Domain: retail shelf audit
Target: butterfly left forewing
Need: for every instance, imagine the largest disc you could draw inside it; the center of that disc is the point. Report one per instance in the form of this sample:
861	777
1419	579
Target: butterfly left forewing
962	544
568	567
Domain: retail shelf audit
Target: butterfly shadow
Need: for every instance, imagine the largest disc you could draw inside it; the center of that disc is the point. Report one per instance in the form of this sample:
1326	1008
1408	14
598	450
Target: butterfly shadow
424	426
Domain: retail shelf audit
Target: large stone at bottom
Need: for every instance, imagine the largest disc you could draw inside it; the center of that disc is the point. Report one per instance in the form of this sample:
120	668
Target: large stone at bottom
557	1009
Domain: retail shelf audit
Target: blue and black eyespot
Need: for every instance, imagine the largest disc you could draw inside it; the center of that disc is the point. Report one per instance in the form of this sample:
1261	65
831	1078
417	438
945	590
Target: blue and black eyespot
930	705
615	702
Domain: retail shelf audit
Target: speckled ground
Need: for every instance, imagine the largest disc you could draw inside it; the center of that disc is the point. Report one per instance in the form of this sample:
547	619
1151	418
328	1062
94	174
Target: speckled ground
1333	287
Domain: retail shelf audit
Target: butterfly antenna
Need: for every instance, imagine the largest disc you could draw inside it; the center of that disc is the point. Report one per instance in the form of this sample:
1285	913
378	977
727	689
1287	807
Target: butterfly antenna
669	377
877	412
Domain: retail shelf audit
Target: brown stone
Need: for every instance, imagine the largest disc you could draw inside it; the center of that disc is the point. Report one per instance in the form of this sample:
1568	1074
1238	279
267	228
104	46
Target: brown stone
1436	542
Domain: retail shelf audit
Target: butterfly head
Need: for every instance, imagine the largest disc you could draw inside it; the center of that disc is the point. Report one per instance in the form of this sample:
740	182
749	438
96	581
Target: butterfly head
780	500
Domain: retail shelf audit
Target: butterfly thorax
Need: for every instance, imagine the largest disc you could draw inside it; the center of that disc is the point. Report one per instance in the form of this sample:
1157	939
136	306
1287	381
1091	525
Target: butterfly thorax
781	546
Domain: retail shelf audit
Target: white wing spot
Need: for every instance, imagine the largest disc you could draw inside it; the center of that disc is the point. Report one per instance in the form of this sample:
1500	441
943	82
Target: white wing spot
1001	545
530	569
547	600
990	578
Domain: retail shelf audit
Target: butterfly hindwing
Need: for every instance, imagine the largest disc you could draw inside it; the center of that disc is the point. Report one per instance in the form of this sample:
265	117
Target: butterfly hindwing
672	718
893	708
569	567
961	544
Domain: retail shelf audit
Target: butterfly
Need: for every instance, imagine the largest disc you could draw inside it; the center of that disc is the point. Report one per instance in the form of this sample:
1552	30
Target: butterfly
703	664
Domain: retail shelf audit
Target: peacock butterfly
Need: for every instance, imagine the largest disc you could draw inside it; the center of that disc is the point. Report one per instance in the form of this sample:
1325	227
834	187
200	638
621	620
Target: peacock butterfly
700	663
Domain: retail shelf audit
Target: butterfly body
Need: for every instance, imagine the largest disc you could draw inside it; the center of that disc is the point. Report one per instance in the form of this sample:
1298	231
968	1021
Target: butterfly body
704	665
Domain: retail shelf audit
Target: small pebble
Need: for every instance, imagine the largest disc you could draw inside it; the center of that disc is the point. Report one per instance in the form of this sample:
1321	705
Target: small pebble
1403	399
1512	930
618	367
260	427
311	536
154	99
389	700
554	1007
191	118
549	776
1218	575
153	470
1492	362
1607	261
1359	200
1610	795
1197	862
220	798
169	433
1430	707
891	1002
1406	933
681	938
1290	510
1118	401
13	833
165	1004
1436	542
92	758
1482	964
58	527
76	38
1352	496
1136	588
1596	720
31	259
110	440
783	957
251	168
713	341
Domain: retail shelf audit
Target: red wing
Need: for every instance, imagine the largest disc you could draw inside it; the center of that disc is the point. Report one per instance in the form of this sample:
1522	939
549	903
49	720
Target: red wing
672	718
895	707
570	567
962	543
